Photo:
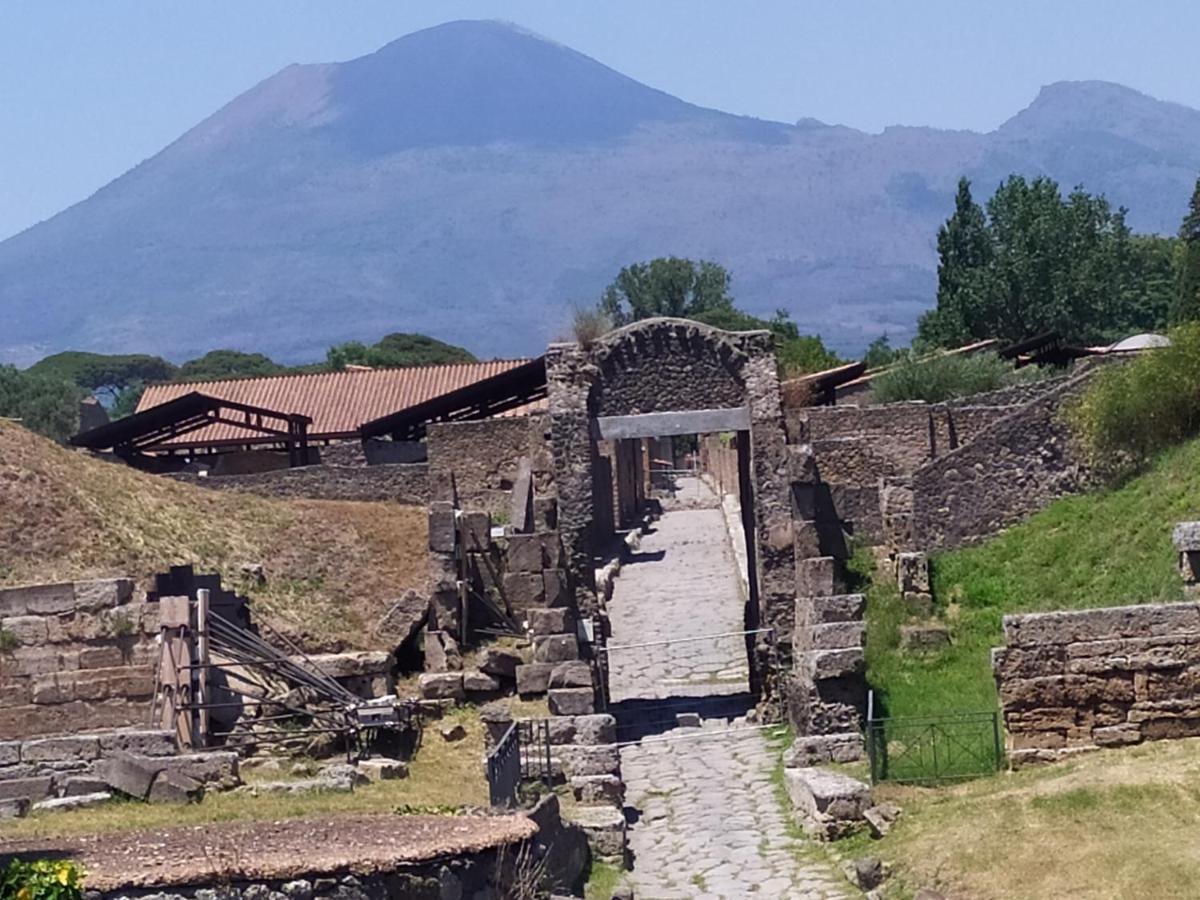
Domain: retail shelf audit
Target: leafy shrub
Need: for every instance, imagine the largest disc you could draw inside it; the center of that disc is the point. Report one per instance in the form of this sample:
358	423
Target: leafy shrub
1129	413
43	879
946	377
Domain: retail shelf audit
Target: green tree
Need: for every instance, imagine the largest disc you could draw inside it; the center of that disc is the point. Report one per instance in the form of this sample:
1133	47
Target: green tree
964	251
1037	262
1186	303
796	353
117	380
396	350
880	353
216	365
667	286
47	405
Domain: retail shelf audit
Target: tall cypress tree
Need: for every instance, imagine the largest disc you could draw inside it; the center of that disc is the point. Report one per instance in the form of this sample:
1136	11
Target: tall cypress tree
1186	307
964	249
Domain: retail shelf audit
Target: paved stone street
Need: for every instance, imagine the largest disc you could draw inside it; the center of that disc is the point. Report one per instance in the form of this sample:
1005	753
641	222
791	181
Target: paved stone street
706	822
683	583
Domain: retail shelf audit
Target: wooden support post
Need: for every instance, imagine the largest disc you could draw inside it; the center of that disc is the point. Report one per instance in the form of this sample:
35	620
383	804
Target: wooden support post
202	662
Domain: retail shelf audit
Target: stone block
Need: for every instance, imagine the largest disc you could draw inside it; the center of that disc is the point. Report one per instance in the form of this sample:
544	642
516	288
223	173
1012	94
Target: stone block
534	678
555	587
571	701
552	550
827	803
128	774
15	692
812	750
924	638
605	829
817	577
209	767
60	804
443	527
441	652
37	600
837	635
573	674
822	664
77	785
499	661
918	604
838	608
477	531
383	769
551	648
480	683
521	500
28	630
551	621
1117	735
524	592
598	728
441	685
103	594
105	657
174	787
10	753
1148	620
1186	536
61	749
598	759
445	608
525	554
598	789
55	688
31	789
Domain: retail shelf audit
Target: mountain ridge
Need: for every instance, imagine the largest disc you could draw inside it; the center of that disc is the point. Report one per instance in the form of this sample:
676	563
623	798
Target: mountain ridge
472	181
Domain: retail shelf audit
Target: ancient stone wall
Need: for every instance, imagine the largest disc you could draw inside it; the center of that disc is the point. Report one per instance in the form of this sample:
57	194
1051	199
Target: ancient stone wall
397	483
484	456
73	656
1098	678
1013	467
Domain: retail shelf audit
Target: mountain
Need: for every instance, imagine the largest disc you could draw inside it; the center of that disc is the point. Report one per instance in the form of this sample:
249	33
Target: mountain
473	181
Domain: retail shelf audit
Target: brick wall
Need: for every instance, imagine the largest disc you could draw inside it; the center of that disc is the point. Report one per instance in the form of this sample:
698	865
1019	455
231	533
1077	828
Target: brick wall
75	655
409	483
1100	677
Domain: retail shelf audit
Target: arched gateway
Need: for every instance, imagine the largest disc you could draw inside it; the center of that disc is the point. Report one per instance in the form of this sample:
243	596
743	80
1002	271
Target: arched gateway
667	377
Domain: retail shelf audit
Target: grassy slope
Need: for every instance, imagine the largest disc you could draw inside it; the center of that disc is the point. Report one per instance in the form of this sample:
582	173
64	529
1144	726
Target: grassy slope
1113	824
1108	548
331	567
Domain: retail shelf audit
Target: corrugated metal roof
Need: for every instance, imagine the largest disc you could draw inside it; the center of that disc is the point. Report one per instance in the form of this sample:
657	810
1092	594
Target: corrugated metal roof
337	402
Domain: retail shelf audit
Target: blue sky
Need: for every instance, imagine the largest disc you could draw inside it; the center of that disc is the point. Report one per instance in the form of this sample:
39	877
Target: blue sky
88	88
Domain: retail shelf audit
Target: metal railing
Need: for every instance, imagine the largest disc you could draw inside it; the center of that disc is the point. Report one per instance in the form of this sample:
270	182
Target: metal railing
535	749
918	749
504	768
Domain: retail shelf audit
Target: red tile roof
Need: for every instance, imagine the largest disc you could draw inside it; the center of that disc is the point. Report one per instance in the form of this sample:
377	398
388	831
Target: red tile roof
337	402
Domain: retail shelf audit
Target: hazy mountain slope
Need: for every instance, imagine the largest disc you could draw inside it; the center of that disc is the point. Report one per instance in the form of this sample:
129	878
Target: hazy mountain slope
472	181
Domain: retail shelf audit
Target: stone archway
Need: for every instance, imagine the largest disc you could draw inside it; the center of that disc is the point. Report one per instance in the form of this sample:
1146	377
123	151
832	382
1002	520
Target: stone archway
674	376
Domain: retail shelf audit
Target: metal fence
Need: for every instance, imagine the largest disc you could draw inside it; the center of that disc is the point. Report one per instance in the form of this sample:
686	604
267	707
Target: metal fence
504	768
934	748
535	749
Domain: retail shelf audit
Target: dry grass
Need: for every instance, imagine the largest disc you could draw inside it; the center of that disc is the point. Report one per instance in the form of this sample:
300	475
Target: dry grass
1113	824
331	567
441	775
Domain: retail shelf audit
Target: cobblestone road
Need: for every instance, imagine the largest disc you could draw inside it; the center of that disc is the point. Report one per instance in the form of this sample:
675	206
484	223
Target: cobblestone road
706	821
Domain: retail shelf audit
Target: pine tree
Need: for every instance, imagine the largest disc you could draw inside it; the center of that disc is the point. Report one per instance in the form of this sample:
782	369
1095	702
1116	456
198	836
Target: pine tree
1186	306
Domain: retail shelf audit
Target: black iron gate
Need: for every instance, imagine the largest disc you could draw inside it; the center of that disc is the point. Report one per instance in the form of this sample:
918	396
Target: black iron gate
935	748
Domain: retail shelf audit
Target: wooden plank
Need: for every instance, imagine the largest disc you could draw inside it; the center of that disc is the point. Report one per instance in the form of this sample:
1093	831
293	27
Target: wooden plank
667	424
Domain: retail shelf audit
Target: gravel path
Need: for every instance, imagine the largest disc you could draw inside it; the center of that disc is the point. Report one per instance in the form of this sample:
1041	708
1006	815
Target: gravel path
706	820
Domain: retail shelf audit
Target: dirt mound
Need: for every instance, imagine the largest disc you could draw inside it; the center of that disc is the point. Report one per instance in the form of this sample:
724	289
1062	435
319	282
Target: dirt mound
331	567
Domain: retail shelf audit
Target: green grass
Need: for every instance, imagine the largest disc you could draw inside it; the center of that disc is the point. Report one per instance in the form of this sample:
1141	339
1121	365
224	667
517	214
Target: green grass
602	880
1107	548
